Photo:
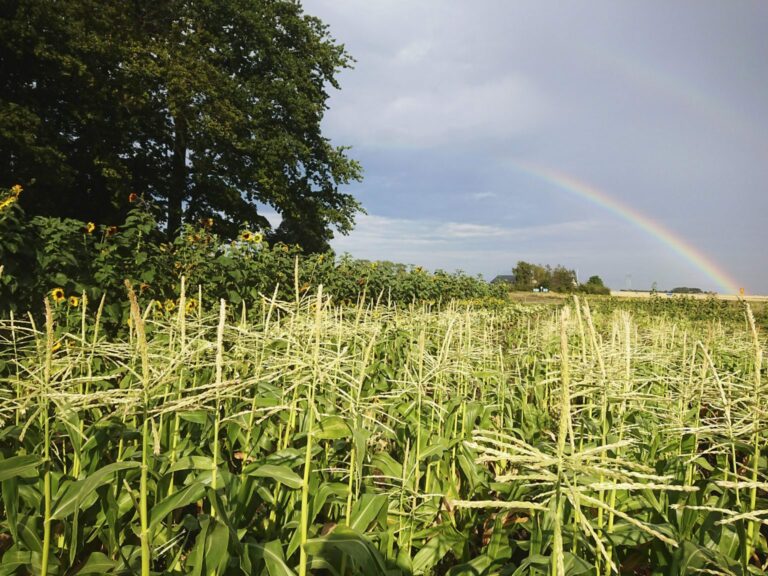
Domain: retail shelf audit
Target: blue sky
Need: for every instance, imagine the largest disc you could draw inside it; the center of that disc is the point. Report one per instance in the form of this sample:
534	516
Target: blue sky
662	106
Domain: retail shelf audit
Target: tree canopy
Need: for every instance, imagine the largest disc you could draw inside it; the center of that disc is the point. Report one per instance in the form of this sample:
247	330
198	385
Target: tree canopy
527	276
210	108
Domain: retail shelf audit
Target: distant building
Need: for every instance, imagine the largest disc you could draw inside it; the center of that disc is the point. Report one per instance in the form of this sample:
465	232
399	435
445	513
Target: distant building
506	278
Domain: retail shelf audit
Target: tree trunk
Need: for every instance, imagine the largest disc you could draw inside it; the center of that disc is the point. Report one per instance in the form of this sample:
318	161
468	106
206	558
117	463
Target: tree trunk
178	188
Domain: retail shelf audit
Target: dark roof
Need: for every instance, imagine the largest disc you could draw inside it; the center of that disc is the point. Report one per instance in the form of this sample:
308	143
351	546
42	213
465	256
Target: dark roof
509	279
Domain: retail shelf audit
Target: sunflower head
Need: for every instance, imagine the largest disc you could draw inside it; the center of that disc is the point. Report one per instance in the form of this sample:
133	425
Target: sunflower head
58	295
246	236
111	230
190	306
16	189
7	202
133	197
169	305
73	301
90	227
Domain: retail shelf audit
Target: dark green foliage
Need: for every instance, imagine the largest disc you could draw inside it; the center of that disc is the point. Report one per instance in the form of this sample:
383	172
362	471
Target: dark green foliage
686	290
44	253
527	277
594	286
208	108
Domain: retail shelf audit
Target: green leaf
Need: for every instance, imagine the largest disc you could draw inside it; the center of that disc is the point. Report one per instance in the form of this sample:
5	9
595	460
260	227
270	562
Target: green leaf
447	538
98	563
436	448
272	554
281	474
23	466
216	549
333	428
76	493
476	566
366	509
10	494
192	463
387	465
351	543
184	497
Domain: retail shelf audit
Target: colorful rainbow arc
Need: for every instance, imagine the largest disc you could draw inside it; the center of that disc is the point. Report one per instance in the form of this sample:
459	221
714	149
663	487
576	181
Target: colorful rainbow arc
677	244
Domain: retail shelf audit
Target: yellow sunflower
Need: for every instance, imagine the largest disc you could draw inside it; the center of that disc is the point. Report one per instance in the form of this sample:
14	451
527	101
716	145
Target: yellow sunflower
73	301
58	295
16	189
56	346
257	238
90	227
170	305
246	236
190	306
7	202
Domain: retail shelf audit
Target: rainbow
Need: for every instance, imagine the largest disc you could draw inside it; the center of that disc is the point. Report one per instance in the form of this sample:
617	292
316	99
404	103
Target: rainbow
699	260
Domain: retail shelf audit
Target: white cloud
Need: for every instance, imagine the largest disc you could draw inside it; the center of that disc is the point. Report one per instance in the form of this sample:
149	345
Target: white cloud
414	52
483	195
444	112
434	244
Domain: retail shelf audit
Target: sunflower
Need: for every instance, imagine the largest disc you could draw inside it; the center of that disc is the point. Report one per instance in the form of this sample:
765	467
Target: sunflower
207	222
56	346
132	197
15	190
58	295
111	230
90	227
7	202
73	301
191	306
257	238
246	236
170	305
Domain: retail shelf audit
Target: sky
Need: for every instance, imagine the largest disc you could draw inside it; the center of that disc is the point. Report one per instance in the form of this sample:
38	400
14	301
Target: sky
623	139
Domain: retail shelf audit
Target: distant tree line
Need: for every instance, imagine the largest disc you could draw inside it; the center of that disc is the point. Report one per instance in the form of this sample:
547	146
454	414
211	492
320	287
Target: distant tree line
527	277
686	290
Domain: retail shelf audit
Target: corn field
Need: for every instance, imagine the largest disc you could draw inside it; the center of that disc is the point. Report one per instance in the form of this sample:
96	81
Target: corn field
302	437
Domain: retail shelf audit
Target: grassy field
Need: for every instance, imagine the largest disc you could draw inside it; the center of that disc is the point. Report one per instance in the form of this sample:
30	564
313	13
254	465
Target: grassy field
301	437
730	297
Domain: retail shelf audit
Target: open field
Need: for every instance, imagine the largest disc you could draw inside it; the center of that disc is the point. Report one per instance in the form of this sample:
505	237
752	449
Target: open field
301	437
730	297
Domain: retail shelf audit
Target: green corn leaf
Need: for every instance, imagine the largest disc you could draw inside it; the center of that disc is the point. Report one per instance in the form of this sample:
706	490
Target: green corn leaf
387	465
333	428
192	463
365	511
184	497
281	474
97	563
77	492
352	544
10	494
19	466
272	554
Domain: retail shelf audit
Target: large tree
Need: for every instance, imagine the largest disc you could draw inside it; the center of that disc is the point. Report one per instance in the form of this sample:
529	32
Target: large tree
208	107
